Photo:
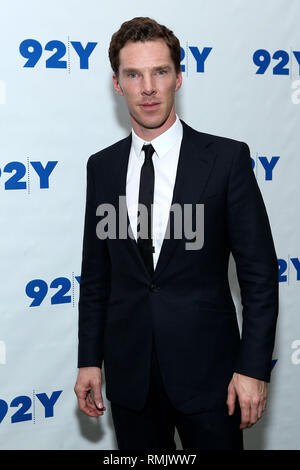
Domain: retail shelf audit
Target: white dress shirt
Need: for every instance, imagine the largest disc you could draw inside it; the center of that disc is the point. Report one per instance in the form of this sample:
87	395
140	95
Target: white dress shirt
165	160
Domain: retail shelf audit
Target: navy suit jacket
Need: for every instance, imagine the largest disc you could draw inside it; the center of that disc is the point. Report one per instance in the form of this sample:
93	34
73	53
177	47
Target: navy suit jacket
187	302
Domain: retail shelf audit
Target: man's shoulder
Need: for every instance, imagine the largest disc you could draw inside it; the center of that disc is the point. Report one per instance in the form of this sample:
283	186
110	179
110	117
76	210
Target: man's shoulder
113	151
214	141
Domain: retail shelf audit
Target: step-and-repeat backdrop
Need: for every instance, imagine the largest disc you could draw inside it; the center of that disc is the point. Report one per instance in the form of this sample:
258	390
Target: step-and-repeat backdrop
241	79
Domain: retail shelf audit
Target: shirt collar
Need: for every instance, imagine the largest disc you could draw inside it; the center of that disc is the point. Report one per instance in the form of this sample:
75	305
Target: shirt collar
161	144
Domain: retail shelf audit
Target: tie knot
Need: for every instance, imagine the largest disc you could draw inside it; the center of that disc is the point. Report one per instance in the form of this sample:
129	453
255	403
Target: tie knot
149	151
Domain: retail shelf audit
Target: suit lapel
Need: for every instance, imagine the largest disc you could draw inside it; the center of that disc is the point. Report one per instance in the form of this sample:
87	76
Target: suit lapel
193	170
195	164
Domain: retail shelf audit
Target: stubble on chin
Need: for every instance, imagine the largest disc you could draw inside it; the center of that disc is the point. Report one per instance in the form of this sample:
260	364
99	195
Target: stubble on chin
149	125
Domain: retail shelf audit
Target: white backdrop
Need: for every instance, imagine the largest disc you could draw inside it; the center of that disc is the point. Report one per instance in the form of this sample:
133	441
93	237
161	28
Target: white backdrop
56	109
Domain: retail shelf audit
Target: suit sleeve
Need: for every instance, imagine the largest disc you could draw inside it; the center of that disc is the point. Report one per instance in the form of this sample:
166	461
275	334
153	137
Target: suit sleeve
254	253
94	284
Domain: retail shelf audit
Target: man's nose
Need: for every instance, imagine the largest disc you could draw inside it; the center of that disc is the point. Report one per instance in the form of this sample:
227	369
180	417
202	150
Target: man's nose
148	87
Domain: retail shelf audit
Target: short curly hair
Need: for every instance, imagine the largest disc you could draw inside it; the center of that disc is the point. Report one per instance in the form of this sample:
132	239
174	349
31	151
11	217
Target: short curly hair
142	29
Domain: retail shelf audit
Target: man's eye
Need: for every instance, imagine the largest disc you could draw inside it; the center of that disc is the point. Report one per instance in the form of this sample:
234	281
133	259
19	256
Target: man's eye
132	74
161	72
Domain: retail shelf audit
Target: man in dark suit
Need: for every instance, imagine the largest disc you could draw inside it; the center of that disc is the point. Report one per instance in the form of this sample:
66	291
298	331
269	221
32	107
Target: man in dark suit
157	310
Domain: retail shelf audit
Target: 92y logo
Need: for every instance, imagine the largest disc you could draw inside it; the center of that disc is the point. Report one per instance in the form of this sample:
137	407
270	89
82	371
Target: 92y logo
20	180
289	269
32	50
281	59
37	289
198	57
25	404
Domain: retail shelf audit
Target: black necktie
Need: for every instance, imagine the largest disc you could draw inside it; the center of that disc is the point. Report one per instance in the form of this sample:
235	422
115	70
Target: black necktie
146	193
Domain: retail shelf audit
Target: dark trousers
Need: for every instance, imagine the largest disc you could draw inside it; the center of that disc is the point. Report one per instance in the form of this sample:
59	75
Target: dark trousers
153	427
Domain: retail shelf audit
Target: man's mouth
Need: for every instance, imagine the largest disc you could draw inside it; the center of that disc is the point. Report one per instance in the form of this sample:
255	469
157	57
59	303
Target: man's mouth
149	105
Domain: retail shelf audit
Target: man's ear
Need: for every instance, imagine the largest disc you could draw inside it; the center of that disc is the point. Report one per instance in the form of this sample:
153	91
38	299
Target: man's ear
117	86
178	80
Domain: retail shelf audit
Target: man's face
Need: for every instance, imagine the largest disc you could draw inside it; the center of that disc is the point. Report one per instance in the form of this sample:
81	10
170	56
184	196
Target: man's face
148	81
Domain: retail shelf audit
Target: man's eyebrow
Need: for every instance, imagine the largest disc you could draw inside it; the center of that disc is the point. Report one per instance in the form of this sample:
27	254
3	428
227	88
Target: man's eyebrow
157	67
164	66
129	70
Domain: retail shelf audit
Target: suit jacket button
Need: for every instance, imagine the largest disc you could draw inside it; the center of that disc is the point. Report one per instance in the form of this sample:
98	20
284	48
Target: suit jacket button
154	287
